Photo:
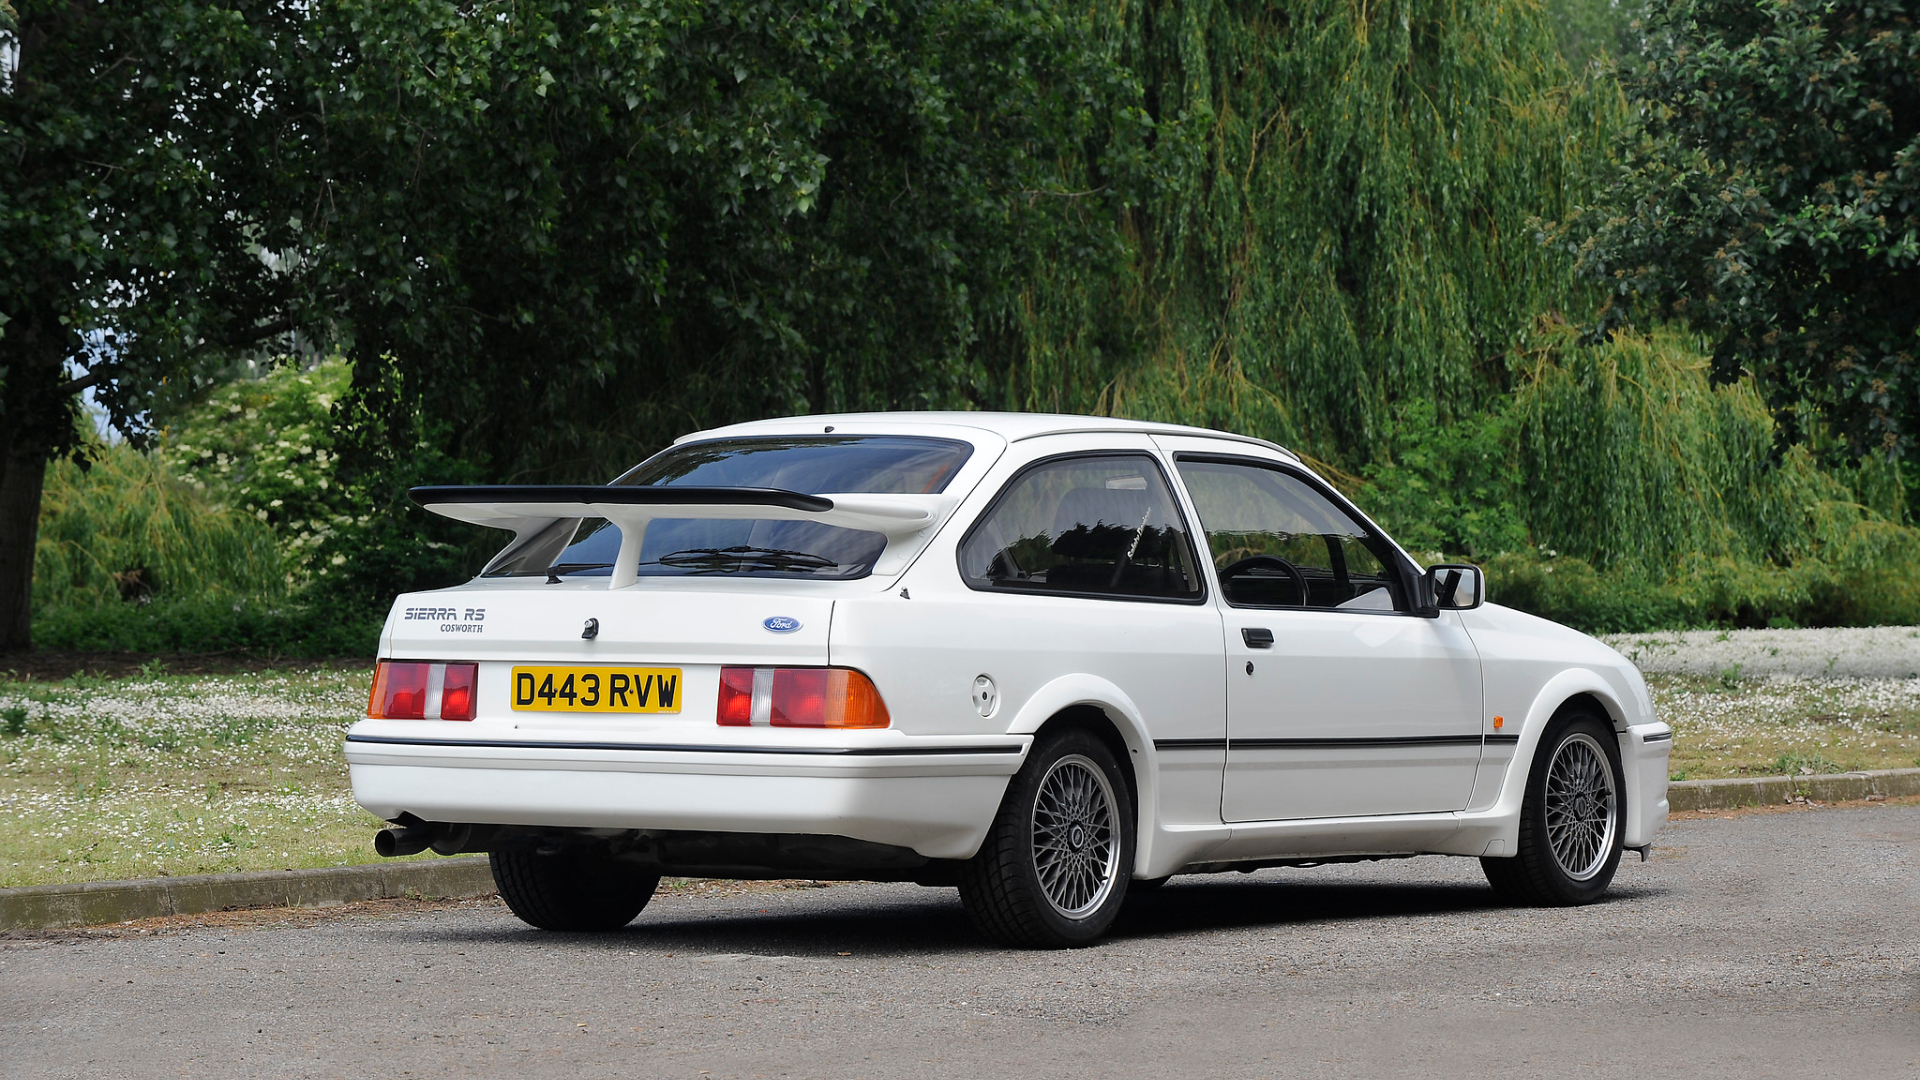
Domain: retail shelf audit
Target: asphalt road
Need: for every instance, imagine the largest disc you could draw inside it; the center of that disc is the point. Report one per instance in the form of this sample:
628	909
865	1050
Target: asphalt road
1773	944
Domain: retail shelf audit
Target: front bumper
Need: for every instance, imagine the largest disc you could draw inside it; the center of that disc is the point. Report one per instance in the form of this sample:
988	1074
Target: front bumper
1644	752
935	796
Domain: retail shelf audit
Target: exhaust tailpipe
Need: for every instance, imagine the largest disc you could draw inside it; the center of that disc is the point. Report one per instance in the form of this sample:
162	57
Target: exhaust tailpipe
401	840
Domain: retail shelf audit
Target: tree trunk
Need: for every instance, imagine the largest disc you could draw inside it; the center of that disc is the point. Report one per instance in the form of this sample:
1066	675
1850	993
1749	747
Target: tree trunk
36	412
23	472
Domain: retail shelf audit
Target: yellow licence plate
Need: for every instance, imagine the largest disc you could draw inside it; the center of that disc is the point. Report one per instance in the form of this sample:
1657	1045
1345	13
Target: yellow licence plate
597	689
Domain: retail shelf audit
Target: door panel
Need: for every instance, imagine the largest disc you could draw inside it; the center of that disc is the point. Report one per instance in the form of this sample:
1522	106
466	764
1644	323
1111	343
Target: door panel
1340	700
1349	714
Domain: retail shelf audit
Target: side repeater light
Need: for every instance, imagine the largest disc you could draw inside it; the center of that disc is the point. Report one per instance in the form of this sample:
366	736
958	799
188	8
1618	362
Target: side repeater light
422	690
799	697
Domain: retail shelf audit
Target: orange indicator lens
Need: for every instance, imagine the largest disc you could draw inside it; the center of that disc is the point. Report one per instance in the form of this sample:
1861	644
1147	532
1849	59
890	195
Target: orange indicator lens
799	697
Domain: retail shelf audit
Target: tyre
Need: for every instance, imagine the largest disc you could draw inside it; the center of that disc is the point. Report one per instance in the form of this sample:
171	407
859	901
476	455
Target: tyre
571	890
1054	868
1571	819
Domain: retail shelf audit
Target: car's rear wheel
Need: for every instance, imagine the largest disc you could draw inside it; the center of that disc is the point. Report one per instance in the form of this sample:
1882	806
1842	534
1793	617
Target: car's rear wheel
571	890
1054	868
1571	819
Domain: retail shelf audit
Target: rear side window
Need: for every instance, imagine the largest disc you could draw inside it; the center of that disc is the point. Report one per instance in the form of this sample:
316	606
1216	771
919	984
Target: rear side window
1085	526
708	547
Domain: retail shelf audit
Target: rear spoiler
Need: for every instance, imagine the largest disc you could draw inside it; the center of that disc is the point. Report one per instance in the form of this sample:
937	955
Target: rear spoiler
528	508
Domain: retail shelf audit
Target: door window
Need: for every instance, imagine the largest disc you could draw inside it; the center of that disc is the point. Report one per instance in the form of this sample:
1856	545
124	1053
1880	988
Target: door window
1278	542
1091	526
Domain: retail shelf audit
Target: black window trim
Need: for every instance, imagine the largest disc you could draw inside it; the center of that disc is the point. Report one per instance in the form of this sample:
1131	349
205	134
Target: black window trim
1408	579
1000	496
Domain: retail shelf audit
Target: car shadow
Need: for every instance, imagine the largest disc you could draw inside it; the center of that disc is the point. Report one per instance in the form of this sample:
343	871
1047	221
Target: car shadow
1219	903
932	921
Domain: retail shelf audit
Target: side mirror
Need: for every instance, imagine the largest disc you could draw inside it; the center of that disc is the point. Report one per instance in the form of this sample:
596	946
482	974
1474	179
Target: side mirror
1456	586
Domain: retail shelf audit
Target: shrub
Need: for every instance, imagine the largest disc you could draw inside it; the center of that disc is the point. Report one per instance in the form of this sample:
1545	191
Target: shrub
200	624
1874	580
264	447
124	531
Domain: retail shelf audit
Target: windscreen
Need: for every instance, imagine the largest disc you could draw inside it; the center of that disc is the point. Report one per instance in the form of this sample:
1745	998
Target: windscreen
812	465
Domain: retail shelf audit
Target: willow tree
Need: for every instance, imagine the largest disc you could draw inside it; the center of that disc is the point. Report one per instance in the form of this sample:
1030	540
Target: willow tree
1337	218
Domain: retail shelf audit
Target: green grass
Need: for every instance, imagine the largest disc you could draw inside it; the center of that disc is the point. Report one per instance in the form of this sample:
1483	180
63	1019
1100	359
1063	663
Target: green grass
1729	726
105	779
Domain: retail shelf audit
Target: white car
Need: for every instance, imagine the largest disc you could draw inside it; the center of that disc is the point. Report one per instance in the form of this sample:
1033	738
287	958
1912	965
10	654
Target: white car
1047	659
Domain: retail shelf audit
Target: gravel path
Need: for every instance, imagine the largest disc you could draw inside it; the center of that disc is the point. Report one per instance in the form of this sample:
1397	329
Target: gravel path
1871	652
1764	945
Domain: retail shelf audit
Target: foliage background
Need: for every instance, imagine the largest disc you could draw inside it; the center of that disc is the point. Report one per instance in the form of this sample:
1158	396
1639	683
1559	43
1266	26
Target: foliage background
546	244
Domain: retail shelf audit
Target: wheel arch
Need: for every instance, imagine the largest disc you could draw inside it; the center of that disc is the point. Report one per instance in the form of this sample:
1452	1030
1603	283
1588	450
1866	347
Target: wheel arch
1568	691
1102	708
1594	703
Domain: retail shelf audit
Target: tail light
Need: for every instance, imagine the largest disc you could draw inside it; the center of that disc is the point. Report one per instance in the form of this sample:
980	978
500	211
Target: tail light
418	690
799	697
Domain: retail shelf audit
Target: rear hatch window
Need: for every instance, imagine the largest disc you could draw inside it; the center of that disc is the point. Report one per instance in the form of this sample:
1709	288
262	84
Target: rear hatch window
693	547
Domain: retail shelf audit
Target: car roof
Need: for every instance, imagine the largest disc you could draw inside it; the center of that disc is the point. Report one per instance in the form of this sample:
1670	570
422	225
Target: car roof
1011	426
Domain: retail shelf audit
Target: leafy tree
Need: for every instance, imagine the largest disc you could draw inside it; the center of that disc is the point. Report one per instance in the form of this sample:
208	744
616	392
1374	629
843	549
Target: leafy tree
548	235
1590	30
137	138
1771	197
577	231
560	235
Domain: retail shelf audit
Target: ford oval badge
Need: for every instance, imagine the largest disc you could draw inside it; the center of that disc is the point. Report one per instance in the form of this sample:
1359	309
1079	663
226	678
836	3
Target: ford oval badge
782	624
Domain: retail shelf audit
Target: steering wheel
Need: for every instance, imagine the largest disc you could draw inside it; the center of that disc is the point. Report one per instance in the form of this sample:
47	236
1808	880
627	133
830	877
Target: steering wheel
1274	562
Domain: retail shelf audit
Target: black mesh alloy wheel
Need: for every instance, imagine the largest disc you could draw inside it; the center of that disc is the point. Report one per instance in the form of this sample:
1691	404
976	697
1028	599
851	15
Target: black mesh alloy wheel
1571	820
1054	868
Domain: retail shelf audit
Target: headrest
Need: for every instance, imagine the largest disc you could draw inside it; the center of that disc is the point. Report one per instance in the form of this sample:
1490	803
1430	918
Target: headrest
1100	523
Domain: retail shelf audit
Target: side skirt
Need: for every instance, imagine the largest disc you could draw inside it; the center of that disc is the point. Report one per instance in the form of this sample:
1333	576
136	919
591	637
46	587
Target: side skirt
1320	839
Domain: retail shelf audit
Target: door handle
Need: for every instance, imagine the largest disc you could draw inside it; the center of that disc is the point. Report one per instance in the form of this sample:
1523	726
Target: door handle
1257	637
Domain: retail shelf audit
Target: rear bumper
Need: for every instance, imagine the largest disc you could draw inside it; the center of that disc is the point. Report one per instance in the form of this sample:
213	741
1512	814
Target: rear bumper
937	799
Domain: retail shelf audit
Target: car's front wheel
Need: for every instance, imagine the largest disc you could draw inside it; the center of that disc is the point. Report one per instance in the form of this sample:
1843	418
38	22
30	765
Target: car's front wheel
1054	868
571	890
1571	819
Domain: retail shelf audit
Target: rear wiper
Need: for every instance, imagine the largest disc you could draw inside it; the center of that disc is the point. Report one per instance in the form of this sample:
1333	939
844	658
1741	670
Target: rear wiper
554	571
738	558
